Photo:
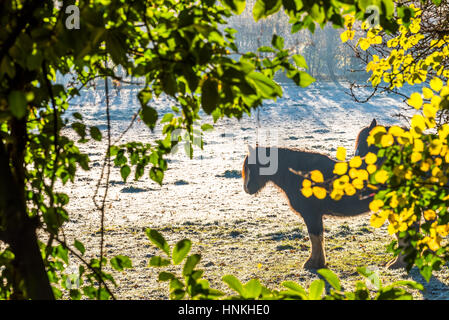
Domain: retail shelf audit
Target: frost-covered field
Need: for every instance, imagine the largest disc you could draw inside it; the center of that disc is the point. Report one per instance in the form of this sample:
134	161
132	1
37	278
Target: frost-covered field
203	199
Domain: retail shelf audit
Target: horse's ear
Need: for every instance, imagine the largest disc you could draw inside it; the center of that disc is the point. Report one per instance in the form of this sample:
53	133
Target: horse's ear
373	124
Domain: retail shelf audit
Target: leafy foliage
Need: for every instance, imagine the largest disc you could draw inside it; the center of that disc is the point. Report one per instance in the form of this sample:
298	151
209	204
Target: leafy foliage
178	49
409	169
191	285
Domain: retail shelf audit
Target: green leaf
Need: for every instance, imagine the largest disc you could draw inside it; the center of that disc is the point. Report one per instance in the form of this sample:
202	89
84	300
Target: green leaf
317	13
265	86
300	61
209	95
252	289
77	115
17	103
95	133
165	276
277	42
158	240
167	117
78	245
264	8
407	283
331	278
121	262
116	45
207	127
236	6
234	284
144	96
157	175
190	264
295	287
316	289
62	253
124	172
149	116
303	79
79	128
157	261
181	250
394	294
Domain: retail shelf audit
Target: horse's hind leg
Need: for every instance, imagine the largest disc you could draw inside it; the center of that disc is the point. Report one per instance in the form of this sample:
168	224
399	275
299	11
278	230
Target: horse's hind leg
315	228
399	261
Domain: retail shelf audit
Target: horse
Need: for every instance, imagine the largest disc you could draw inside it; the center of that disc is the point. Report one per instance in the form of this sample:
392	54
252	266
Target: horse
290	162
361	144
362	149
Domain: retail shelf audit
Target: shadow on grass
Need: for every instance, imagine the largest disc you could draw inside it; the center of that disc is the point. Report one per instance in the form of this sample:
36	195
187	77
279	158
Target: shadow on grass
434	289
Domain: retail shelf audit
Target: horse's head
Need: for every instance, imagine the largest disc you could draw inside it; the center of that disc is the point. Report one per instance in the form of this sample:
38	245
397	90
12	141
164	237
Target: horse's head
253	181
361	145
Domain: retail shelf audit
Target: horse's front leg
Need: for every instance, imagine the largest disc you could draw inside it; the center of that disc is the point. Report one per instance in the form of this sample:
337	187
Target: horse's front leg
317	259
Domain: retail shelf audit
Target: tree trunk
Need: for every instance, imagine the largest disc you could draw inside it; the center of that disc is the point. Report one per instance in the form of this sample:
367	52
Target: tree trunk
19	231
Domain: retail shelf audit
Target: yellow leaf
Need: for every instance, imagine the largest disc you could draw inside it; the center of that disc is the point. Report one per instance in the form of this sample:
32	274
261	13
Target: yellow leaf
443	230
416	156
376	204
341	153
358	183
349	189
307	192
445	91
428	94
306	183
353	173
337	194
396	131
429	110
371	168
377	220
340	168
394	201
362	174
429	215
418	123
443	131
344	36
436	84
434	243
386	140
418	145
381	176
370	158
364	44
355	162
425	166
393	228
316	176
435	147
319	192
415	100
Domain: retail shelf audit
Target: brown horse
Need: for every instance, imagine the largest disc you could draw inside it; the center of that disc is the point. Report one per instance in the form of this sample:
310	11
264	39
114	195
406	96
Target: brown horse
312	210
362	149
